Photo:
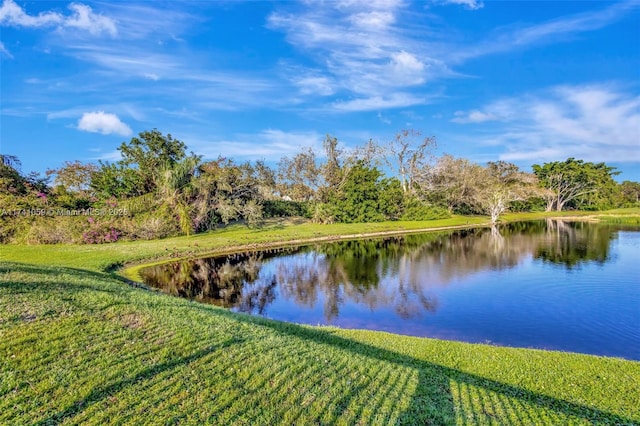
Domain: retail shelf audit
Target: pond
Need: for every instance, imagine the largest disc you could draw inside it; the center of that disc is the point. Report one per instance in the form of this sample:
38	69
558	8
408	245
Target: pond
548	284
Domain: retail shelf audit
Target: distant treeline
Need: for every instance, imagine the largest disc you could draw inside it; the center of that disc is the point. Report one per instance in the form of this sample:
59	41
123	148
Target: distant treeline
157	189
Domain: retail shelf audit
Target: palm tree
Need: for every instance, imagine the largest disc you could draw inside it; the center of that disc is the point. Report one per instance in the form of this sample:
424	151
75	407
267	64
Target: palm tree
175	189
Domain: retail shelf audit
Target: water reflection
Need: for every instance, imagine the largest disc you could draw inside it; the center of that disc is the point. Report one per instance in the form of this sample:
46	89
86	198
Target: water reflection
397	272
547	284
223	281
571	244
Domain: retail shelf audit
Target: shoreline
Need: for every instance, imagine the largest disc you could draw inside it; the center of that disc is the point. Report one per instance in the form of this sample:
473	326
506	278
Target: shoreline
130	270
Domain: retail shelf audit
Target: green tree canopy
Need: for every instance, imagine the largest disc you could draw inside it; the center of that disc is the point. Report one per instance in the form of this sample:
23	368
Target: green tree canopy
577	184
149	153
116	180
630	193
12	181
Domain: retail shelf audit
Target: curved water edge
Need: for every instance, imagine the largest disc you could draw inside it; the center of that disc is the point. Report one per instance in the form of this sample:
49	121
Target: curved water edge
131	271
549	285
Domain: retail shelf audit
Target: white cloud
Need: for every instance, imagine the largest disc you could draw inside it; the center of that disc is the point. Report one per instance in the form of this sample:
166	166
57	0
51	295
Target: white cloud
372	51
469	4
269	144
131	62
514	37
373	19
362	49
106	156
383	119
407	69
188	69
12	14
290	141
396	100
473	116
84	18
372	4
499	110
128	109
81	17
151	21
105	123
315	85
65	113
406	62
592	122
587	21
5	51
187	77
591	115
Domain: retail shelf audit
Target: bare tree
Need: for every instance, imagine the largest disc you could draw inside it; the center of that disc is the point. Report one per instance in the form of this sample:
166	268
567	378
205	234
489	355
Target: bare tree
304	176
408	154
453	182
467	187
501	184
74	176
370	153
299	177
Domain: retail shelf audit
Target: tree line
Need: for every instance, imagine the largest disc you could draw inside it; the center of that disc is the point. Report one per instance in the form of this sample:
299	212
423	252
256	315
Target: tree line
161	189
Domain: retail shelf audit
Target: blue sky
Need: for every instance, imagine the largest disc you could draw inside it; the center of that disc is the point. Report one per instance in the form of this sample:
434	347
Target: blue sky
526	82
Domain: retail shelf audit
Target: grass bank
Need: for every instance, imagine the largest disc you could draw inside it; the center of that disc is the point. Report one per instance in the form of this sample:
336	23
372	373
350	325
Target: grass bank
78	345
82	347
111	257
108	257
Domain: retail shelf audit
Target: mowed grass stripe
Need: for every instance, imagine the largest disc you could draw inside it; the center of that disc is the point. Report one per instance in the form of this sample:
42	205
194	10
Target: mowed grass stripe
119	352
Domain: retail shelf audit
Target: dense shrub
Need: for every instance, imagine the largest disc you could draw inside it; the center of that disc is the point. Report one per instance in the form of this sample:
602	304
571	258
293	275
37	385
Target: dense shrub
252	213
391	199
283	208
53	230
358	197
148	227
47	232
323	213
100	233
415	209
533	204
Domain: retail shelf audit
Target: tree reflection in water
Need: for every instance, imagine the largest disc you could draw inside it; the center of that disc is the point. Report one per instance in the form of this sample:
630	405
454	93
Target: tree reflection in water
571	244
397	272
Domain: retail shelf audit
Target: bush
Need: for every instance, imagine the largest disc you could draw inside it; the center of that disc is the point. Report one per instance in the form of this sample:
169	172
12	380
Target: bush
149	228
415	209
68	200
357	199
54	230
391	199
252	213
282	208
102	233
323	213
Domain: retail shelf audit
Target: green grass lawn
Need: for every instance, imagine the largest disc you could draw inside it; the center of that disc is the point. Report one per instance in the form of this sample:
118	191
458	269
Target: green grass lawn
79	345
